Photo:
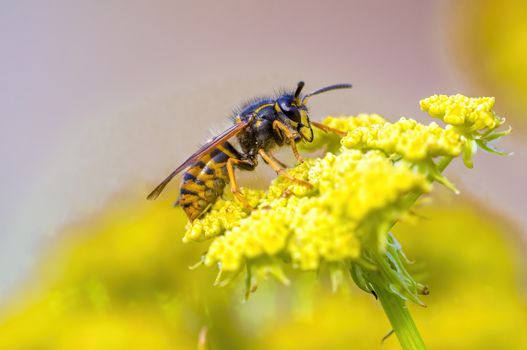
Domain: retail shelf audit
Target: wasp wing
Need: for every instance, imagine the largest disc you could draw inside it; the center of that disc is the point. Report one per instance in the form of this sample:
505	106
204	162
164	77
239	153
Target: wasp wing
206	148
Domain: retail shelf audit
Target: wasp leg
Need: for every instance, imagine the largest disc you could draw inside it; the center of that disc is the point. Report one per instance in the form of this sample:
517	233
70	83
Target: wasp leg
231	162
326	128
279	170
277	125
278	161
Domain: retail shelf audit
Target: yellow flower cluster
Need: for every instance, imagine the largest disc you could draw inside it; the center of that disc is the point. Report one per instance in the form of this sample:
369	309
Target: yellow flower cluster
468	114
407	138
366	182
326	223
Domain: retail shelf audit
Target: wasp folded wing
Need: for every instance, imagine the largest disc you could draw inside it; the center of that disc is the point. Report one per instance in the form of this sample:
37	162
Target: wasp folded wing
205	149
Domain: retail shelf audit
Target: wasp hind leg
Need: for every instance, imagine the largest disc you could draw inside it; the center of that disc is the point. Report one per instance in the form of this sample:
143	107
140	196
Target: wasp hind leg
269	160
278	161
244	164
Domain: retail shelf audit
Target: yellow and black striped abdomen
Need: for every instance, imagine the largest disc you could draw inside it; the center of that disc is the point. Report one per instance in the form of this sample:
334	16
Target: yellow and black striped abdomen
205	180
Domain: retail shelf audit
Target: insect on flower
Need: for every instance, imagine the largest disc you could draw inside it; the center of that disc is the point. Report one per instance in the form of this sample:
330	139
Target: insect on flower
260	126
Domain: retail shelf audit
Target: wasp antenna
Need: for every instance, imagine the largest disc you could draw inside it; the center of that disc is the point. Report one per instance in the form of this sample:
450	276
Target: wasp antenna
299	89
324	89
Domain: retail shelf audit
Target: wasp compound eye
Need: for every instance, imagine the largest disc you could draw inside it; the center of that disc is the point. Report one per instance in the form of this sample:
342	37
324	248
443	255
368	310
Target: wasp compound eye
288	109
285	105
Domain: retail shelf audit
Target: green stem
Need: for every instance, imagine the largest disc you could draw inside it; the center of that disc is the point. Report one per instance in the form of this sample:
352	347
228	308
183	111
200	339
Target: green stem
443	163
395	307
401	320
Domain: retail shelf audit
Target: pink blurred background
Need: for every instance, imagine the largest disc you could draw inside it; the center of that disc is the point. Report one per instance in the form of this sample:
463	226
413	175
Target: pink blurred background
99	95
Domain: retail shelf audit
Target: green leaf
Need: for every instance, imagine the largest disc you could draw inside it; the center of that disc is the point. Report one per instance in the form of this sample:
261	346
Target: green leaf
483	145
495	135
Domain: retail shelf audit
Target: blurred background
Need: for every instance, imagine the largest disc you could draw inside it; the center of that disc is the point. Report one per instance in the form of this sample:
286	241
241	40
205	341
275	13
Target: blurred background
100	100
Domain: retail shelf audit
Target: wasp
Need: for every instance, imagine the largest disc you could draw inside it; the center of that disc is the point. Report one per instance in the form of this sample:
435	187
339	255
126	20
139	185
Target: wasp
259	126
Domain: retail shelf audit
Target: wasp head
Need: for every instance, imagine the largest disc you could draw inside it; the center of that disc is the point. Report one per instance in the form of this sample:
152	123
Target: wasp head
295	109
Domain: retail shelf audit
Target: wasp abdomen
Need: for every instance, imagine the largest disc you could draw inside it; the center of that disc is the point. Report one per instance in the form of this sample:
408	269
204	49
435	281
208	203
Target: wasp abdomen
205	180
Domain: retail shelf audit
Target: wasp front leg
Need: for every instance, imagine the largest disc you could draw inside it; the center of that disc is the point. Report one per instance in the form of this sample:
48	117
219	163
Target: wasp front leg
281	171
281	127
244	164
326	128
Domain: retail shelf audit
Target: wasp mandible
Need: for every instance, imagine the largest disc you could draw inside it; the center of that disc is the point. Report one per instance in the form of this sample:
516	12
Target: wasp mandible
259	126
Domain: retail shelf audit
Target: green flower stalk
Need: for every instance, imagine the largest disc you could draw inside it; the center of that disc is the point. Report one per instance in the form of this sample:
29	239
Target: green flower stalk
366	182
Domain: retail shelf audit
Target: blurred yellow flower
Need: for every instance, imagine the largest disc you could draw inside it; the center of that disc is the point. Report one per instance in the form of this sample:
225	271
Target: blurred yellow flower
490	46
135	295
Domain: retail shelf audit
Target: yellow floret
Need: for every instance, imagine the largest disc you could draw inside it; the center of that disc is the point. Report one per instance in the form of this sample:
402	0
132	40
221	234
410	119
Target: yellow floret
223	216
468	114
407	138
